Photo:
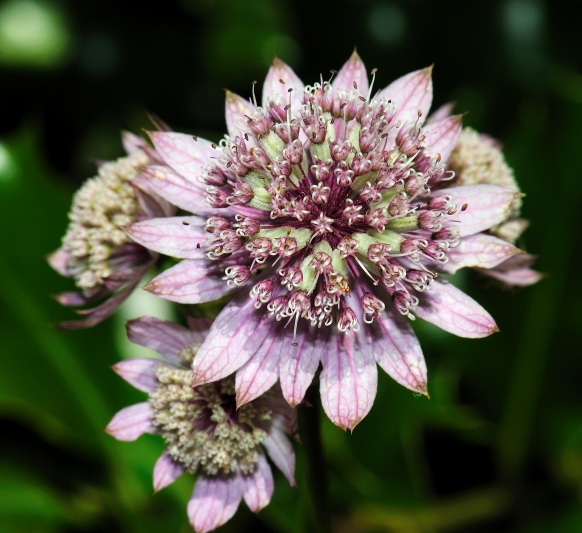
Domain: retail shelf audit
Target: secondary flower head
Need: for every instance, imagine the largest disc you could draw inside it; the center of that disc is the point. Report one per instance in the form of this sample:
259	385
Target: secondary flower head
96	252
332	208
204	431
478	158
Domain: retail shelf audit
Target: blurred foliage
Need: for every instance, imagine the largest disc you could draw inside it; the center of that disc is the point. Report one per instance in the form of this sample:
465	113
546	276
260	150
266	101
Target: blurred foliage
498	448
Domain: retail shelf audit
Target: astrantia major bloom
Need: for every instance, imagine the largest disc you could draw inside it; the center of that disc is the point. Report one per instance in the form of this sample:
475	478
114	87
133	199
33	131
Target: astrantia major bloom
203	430
332	208
104	262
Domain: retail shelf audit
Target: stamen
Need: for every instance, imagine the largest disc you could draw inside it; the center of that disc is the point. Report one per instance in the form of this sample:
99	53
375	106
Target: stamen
374	70
254	97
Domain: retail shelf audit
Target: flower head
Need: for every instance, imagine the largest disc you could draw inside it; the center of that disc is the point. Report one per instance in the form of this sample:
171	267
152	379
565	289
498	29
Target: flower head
96	252
203	430
476	159
333	209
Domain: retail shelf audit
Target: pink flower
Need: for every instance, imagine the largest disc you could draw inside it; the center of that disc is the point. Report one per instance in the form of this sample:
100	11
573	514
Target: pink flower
329	207
476	159
96	252
204	431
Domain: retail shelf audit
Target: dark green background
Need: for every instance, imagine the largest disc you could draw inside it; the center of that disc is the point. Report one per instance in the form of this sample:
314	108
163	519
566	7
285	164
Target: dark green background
498	448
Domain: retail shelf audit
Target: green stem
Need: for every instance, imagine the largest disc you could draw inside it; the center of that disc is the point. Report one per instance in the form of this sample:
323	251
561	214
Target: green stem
316	475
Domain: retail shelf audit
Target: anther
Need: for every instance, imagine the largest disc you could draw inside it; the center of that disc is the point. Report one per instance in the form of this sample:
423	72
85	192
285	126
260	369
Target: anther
185	223
194	137
464	208
355	85
282	81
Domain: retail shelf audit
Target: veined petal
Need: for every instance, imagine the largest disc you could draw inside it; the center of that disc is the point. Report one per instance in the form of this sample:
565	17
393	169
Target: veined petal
281	452
352	71
132	143
182	152
174	236
442	136
487	205
410	93
152	204
73	299
166	472
164	337
261	371
297	368
272	87
349	379
519	277
131	422
108	307
515	271
480	250
141	373
214	501
450	309
441	113
236	109
258	486
238	333
177	190
192	281
58	260
397	350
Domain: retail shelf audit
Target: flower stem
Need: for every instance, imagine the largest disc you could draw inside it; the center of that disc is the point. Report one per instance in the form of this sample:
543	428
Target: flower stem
316	475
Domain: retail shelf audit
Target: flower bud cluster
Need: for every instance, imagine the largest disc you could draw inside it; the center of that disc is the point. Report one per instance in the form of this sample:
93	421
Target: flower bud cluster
101	207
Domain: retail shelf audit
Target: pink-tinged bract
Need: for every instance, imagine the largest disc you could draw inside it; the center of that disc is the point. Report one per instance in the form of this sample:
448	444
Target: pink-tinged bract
204	431
334	214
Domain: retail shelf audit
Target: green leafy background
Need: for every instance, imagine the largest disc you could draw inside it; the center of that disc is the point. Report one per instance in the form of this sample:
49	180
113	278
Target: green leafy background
497	448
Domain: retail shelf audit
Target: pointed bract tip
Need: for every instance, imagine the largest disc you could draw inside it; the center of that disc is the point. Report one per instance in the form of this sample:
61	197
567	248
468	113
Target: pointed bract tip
150	287
278	63
240	401
355	56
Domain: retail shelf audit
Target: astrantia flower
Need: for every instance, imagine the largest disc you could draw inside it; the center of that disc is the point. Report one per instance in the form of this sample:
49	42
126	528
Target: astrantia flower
204	431
96	252
476	159
327	207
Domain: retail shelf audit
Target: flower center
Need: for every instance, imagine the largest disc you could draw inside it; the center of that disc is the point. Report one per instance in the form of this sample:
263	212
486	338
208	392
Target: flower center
202	427
336	197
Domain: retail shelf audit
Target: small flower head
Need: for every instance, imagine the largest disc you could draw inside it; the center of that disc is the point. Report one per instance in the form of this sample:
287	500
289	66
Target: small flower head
201	426
203	430
96	252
